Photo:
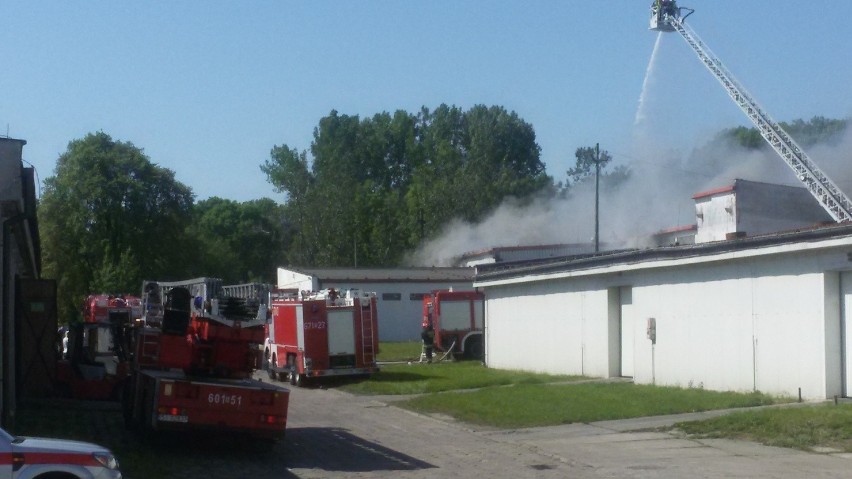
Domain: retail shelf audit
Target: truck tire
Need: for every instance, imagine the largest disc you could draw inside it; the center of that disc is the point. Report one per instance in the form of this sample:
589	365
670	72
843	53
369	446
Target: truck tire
473	349
117	392
127	401
63	390
146	417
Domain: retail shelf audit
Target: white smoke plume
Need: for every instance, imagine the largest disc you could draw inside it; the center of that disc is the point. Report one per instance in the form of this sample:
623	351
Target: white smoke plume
657	195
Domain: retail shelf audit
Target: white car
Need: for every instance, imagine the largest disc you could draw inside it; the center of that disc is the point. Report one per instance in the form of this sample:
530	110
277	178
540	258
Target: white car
35	457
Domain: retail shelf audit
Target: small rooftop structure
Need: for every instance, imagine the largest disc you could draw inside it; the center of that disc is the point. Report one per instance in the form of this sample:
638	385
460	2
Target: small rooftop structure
746	208
751	208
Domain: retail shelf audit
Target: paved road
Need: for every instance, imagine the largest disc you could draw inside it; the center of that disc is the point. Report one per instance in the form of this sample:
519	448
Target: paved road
332	434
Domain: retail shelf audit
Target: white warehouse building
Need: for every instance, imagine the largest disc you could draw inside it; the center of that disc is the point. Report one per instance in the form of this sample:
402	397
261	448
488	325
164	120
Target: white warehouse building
766	313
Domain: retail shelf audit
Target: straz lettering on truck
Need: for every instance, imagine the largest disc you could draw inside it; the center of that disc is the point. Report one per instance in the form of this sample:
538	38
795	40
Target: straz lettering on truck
315	325
225	399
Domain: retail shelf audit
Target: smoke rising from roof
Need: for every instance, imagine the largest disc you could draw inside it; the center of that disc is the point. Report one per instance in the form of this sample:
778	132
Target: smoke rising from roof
657	194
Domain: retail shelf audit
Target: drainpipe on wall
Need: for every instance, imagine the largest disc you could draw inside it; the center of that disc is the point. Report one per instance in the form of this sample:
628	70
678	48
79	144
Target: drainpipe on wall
7	410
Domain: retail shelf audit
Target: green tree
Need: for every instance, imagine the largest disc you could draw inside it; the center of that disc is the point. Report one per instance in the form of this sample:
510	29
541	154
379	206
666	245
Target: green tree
470	162
375	187
239	242
502	159
110	218
816	130
807	133
748	138
584	169
288	171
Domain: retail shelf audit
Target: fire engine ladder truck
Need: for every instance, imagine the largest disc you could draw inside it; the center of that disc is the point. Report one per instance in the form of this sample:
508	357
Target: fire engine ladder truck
666	17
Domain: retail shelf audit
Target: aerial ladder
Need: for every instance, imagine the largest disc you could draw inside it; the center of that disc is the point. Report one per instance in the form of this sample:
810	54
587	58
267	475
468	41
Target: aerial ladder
666	16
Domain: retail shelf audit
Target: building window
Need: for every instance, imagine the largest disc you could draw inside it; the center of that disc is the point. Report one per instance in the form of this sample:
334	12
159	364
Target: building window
391	296
416	296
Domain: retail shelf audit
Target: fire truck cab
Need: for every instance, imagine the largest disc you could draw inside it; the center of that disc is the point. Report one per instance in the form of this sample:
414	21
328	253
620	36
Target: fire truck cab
319	334
457	318
98	348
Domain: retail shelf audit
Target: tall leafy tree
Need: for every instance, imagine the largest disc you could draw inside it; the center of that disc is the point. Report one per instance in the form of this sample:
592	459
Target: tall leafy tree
375	187
816	130
110	218
437	182
472	161
585	168
289	172
502	159
239	242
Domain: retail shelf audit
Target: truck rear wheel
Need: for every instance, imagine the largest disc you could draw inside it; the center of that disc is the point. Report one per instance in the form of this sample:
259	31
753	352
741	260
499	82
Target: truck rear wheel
127	403
473	349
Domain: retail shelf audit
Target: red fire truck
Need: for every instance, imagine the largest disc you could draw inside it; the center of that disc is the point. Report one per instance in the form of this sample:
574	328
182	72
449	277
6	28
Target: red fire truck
193	362
327	333
457	317
96	363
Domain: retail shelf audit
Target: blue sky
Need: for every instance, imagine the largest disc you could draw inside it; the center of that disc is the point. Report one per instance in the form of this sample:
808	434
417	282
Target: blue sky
207	88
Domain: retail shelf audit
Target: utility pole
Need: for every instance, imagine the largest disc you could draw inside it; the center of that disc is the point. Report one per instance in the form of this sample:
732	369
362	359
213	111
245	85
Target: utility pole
597	194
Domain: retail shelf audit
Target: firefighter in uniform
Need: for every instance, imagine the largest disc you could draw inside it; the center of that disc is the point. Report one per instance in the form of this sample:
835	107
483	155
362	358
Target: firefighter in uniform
428	337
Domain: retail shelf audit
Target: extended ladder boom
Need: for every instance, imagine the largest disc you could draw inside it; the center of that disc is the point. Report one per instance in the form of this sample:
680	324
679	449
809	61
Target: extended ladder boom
835	202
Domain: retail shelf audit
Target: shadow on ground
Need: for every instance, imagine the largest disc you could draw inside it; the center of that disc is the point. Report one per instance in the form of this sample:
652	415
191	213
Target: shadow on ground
332	449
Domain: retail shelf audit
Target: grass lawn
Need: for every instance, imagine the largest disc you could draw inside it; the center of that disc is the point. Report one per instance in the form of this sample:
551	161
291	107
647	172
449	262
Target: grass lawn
805	428
472	393
399	351
444	376
531	405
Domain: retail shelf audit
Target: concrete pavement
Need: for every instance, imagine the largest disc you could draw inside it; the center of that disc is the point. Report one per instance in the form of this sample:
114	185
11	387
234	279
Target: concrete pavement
616	449
334	434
